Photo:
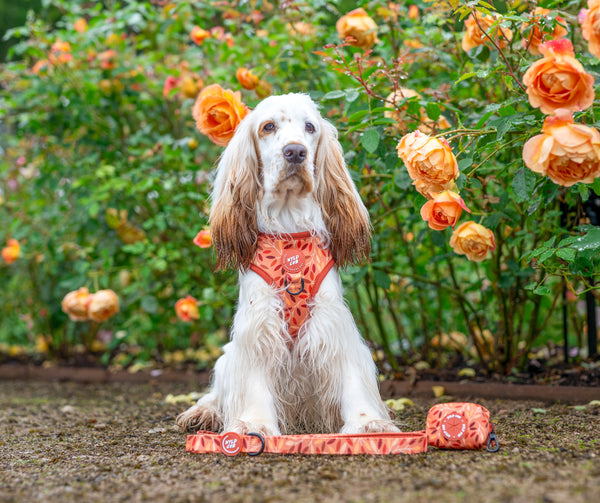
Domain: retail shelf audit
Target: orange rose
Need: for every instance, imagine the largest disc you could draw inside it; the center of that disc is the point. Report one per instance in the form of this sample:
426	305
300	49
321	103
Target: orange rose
246	78
566	152
535	37
11	252
591	27
103	304
198	35
359	27
187	309
75	304
443	210
191	85
39	66
60	52
558	80
107	59
413	12
429	161
218	112
473	240
203	239
476	30
80	25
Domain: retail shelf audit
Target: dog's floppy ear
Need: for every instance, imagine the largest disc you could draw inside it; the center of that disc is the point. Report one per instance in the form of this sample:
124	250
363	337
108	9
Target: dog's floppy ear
237	187
346	218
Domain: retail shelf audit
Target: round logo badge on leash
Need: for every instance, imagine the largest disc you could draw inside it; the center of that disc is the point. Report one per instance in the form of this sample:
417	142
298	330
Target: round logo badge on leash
231	444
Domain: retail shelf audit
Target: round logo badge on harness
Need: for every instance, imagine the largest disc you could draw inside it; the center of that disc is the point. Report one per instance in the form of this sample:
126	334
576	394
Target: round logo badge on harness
293	260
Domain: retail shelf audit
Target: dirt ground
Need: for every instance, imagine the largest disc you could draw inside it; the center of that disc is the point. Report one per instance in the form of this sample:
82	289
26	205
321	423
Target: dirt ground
117	442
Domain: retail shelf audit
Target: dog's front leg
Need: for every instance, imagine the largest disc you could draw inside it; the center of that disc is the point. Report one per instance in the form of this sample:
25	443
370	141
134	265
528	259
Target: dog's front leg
347	376
255	357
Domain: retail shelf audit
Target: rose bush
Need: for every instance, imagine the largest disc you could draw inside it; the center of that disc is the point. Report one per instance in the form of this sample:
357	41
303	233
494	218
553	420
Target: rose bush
114	118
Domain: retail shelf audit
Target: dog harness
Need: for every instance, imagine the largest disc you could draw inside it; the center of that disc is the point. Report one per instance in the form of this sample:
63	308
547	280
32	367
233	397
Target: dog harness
295	264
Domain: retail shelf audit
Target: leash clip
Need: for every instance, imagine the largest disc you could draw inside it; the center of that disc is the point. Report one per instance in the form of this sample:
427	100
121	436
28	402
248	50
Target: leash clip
493	445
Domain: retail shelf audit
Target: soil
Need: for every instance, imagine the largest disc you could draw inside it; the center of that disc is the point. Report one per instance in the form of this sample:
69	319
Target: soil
116	441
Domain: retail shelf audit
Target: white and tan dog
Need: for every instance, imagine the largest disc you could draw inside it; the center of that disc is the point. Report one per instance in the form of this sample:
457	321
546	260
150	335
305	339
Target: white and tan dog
283	172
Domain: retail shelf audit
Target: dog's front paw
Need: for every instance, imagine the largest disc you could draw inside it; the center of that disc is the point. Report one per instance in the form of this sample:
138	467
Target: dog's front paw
245	427
373	426
199	417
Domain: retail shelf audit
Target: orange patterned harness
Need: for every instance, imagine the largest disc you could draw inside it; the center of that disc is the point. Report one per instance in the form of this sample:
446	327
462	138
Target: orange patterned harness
295	264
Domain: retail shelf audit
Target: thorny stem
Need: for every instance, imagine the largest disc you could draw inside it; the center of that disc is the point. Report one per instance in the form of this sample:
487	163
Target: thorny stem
499	49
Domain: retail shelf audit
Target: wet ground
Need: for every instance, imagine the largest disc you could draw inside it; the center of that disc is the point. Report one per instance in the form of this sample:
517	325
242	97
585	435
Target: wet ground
117	442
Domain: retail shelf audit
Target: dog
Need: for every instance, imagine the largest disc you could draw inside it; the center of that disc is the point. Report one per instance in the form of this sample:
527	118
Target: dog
296	361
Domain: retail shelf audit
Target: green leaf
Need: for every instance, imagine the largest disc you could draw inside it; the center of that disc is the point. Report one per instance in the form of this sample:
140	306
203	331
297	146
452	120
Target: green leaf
433	111
149	304
590	241
523	184
542	290
382	280
333	95
370	140
567	254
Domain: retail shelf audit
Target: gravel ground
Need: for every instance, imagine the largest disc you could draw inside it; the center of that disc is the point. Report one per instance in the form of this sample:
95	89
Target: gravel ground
117	442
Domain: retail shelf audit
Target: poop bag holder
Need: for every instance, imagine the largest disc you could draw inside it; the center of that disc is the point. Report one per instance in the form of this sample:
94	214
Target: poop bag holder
461	425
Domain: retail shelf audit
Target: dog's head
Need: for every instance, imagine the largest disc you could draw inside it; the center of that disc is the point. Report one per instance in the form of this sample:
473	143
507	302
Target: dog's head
283	152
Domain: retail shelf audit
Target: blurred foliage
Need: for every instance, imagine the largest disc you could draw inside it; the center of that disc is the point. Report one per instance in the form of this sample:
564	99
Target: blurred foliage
104	180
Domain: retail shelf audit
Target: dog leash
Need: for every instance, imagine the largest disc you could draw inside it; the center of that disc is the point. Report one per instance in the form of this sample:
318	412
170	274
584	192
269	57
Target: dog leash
457	425
253	444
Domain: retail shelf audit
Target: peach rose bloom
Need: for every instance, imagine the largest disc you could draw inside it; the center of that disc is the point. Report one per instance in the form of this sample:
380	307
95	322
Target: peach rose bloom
443	210
474	36
558	80
246	78
190	85
473	240
590	27
171	83
11	252
103	304
566	152
203	239
429	162
534	38
358	26
218	112
187	309
80	25
198	35
75	304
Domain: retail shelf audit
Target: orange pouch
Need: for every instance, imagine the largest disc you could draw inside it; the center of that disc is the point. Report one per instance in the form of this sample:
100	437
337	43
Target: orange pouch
460	425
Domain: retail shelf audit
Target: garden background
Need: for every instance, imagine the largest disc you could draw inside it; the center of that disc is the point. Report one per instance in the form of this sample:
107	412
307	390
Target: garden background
104	177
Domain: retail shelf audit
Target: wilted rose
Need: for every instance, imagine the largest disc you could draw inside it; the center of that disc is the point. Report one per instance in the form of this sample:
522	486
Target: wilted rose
187	309
533	38
566	152
359	27
103	304
476	29
558	80
473	240
218	112
429	162
75	304
443	210
590	27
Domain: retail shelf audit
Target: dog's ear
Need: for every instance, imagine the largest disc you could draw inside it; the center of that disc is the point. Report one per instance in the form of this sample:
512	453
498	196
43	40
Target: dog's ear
237	188
346	218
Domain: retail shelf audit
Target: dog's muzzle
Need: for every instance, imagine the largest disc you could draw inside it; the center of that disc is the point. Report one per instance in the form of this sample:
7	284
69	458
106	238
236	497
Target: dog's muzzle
294	153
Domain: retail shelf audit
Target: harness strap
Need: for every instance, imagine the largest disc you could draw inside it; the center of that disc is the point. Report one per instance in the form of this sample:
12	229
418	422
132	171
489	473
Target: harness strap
366	443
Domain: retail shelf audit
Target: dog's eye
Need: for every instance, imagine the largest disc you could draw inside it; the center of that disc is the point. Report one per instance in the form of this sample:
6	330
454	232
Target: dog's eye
269	127
310	128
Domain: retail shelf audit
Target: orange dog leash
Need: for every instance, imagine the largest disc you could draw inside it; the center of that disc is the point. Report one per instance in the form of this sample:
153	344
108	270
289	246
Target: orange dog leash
449	426
253	444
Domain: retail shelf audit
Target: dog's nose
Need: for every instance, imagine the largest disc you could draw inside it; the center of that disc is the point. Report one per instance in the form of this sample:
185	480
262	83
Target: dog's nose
294	153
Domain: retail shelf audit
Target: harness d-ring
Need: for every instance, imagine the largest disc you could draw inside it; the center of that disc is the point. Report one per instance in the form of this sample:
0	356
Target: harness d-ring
262	441
294	293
